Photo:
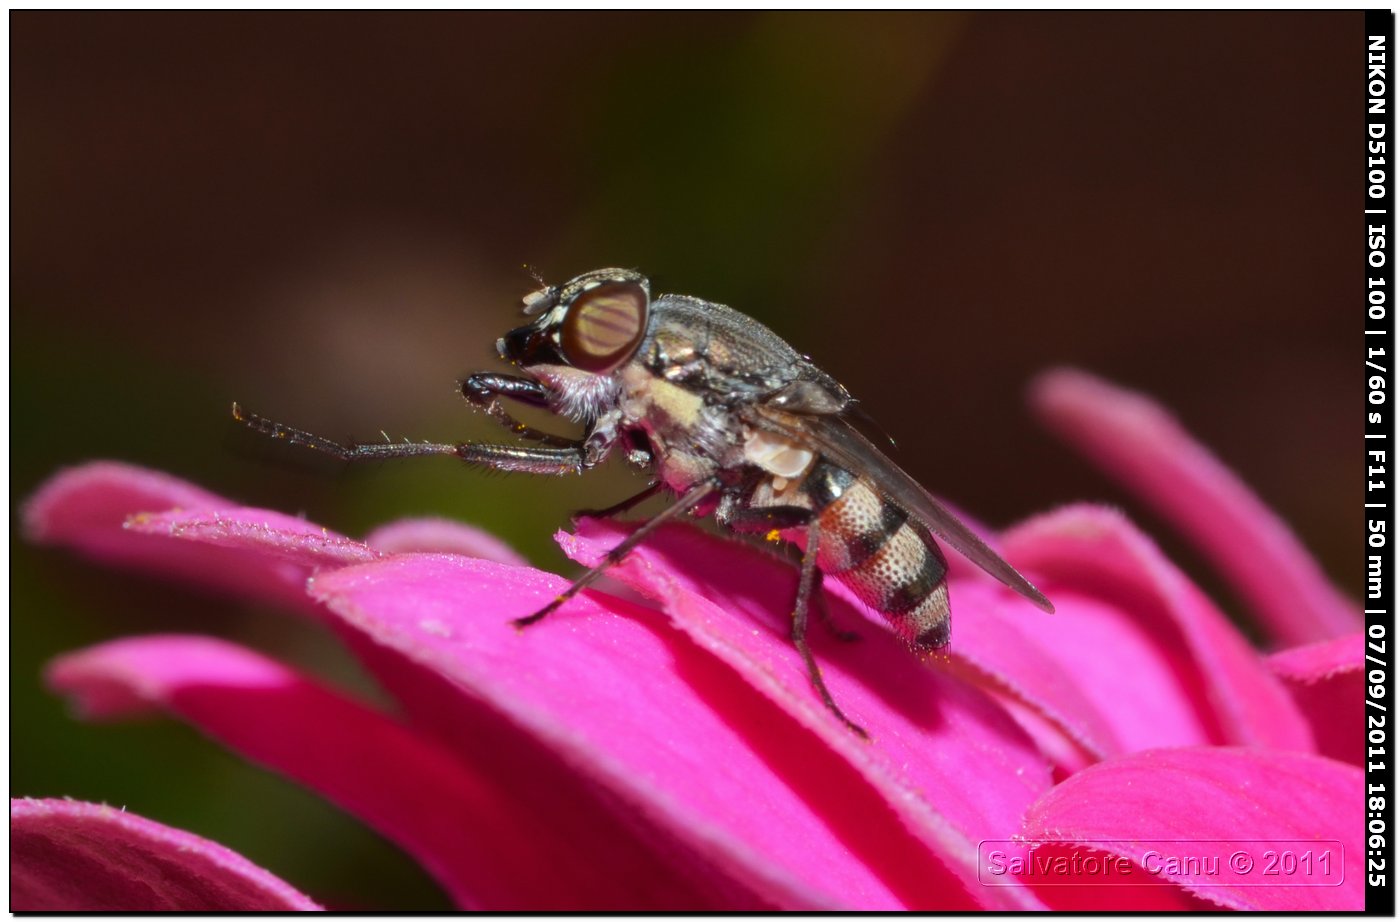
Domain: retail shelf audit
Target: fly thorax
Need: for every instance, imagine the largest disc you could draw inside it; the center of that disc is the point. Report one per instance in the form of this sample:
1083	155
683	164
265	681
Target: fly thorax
676	415
689	439
657	403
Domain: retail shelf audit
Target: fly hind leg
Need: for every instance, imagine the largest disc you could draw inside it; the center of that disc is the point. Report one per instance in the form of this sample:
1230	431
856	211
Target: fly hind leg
799	627
776	519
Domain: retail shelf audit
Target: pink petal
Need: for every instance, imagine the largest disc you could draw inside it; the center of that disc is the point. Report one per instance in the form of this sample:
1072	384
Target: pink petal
468	833
262	532
634	861
126	516
1073	888
99	494
944	761
994	647
1055	666
1212	802
428	535
1179	671
1065	753
1327	680
1137	441
68	856
633	707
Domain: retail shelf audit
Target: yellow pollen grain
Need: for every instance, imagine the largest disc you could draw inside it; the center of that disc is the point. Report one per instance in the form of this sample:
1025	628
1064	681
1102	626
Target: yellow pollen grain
773	536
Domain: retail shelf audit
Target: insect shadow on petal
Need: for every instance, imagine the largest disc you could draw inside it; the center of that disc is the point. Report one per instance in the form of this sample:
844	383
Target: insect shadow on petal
733	422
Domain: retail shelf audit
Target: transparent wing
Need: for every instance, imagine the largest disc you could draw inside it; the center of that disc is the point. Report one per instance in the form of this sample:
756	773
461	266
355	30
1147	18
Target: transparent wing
837	440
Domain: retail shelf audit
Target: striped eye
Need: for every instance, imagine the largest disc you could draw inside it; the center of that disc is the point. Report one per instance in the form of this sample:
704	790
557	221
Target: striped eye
604	326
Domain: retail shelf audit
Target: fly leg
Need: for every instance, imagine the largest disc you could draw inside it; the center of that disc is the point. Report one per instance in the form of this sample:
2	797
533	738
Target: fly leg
485	391
561	459
796	558
828	622
692	497
775	519
799	626
618	508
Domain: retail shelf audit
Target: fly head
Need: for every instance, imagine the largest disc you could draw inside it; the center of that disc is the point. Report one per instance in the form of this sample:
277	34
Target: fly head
583	331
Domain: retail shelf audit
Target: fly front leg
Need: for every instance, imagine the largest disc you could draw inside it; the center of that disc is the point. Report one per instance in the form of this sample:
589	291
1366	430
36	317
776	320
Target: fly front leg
563	459
485	392
799	626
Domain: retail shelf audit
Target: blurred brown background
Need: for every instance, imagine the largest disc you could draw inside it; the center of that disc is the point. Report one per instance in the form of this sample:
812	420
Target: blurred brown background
325	217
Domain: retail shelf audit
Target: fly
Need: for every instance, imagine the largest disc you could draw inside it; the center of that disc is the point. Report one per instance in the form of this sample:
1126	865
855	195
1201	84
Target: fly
730	420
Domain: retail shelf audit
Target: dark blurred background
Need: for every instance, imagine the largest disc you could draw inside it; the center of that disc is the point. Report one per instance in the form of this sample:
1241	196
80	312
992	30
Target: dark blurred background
325	217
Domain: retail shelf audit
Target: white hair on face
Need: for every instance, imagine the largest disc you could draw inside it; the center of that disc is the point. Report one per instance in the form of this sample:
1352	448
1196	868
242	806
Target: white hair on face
579	395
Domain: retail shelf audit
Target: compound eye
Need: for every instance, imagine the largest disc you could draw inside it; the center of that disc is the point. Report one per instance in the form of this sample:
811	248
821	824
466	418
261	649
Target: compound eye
604	326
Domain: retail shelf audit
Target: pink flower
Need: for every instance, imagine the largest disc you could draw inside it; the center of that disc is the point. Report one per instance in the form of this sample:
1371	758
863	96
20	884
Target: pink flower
620	756
86	857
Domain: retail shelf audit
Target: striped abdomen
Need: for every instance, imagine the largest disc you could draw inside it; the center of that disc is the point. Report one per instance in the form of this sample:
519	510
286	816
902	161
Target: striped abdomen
889	562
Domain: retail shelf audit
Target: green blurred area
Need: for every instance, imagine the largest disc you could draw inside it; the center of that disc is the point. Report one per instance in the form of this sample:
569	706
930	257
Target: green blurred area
325	215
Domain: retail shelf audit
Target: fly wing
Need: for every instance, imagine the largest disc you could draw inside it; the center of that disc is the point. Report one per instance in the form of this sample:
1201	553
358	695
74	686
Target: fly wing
837	440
